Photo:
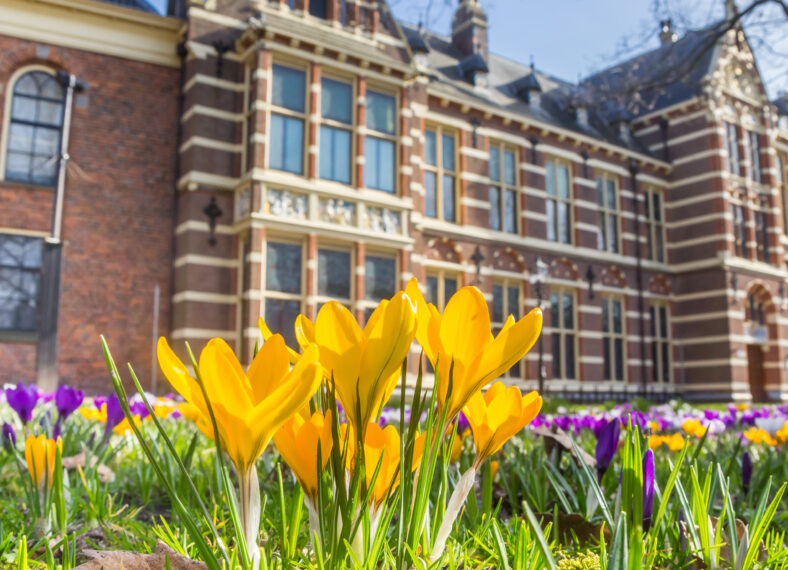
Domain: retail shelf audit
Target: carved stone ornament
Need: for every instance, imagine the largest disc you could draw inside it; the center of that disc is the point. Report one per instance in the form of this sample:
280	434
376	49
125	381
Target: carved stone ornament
287	204
383	220
336	211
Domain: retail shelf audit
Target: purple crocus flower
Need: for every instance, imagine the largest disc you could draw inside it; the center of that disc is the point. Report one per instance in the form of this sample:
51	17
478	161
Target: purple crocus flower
648	489
606	446
23	399
67	400
9	436
462	423
137	408
115	413
746	471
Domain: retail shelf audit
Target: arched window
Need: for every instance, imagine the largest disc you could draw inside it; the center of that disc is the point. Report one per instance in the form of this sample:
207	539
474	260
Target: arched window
36	118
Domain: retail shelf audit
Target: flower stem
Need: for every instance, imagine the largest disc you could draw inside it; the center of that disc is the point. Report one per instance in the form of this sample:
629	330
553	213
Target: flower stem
250	511
456	501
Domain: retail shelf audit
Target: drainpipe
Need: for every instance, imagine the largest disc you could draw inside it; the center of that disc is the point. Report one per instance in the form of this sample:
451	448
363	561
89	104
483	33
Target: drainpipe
633	171
52	255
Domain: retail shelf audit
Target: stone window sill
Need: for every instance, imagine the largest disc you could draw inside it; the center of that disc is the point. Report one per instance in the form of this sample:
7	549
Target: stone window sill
26	337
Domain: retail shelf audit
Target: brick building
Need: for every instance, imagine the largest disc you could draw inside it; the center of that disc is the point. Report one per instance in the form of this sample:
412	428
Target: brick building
261	157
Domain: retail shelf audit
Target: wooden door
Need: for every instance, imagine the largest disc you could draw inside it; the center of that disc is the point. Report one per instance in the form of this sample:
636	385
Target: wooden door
755	370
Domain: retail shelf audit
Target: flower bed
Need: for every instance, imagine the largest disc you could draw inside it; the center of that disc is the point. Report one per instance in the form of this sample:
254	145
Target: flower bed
297	462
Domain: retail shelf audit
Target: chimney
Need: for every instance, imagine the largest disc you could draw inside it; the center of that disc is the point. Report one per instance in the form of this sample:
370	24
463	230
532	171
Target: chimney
666	33
469	28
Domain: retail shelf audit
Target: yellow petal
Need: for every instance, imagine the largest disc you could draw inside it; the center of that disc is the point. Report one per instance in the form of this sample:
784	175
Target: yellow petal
465	326
428	321
508	348
224	380
266	332
386	348
304	331
269	368
341	348
177	374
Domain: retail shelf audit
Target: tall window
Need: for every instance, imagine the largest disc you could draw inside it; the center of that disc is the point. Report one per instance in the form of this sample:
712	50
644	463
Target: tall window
563	333
380	280
34	129
761	235
20	266
441	285
559	202
334	276
288	103
440	175
755	157
506	301
739	230
613	338
607	205
755	313
284	287
655	225
336	129
660	342
380	141
503	189
732	146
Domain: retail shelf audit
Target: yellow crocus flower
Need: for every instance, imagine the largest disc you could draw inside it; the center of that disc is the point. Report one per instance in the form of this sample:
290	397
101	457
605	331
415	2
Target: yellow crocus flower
654	441
782	434
40	457
249	407
758	435
365	364
497	415
653	426
674	442
297	442
693	427
462	336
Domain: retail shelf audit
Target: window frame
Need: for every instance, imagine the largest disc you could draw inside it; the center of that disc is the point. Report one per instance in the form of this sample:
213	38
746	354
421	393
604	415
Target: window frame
609	355
562	333
24	333
366	304
267	293
557	163
739	224
754	151
760	222
391	137
272	109
348	248
503	187
604	212
660	343
507	284
442	275
5	136
655	228
440	171
782	179
352	128
732	148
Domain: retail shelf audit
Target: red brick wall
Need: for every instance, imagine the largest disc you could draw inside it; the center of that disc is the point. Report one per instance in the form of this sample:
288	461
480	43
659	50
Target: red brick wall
117	216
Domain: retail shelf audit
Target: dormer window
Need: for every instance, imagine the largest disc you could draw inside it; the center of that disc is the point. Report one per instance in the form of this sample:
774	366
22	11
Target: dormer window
474	69
529	89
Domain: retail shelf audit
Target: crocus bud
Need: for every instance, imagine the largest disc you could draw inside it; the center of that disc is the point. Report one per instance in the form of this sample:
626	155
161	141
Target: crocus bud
9	437
746	471
23	399
606	446
648	489
67	400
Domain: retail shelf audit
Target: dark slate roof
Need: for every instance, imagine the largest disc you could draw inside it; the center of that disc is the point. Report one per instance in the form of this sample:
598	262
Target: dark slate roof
143	5
667	75
504	89
782	104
